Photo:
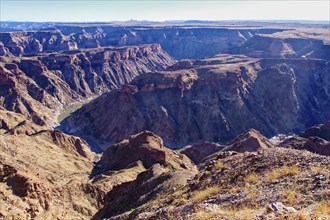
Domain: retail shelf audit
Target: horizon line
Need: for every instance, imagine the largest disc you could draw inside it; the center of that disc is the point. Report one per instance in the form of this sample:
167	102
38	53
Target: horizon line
174	20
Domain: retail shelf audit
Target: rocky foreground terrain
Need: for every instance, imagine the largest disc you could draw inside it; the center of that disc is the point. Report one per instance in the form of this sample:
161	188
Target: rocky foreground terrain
48	174
247	111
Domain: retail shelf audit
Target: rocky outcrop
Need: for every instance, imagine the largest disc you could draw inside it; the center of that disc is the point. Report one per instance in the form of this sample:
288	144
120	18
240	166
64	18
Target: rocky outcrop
213	100
250	141
283	182
317	145
198	152
145	147
321	131
68	143
14	123
36	175
164	169
144	189
314	139
41	85
4	51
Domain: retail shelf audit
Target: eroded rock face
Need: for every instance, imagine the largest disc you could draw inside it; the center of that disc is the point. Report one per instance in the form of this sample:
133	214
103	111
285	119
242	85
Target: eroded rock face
39	85
179	42
321	131
145	147
314	139
283	47
198	152
14	123
68	143
19	43
226	181
38	171
317	145
215	100
249	142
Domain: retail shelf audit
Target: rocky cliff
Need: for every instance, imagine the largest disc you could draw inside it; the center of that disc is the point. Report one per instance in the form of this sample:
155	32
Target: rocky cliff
179	42
212	99
40	169
36	86
48	174
266	46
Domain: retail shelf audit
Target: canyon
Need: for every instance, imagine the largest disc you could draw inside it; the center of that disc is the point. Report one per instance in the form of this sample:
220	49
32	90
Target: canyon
213	99
41	85
164	120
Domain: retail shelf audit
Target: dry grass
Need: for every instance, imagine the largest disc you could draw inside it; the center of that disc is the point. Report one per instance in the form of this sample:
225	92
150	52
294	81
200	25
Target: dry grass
251	178
235	190
322	209
232	213
180	201
319	170
220	165
180	198
290	197
243	213
250	189
282	172
203	215
206	193
252	192
299	216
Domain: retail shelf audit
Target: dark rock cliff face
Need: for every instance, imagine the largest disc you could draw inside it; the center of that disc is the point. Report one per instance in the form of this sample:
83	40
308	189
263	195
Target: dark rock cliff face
278	47
179	42
36	86
214	99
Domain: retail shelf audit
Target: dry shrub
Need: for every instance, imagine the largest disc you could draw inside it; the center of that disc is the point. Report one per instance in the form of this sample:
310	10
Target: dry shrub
206	193
282	172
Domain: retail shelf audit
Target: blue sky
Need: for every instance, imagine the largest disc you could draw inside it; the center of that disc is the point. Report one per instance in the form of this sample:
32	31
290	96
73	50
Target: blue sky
157	10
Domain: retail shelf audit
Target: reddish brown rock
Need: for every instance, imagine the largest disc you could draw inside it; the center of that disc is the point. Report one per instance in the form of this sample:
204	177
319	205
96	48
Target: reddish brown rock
41	85
68	143
216	100
145	147
198	152
321	131
249	142
317	145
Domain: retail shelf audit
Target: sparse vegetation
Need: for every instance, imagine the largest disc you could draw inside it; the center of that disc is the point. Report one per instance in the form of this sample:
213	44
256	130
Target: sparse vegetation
206	193
241	213
220	165
71	109
251	192
322	209
319	170
232	213
290	197
302	215
180	201
282	172
251	178
234	190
